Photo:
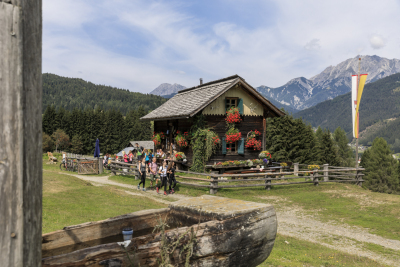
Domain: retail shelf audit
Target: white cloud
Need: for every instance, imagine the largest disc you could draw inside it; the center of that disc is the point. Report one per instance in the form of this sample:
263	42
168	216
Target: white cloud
377	42
313	45
140	44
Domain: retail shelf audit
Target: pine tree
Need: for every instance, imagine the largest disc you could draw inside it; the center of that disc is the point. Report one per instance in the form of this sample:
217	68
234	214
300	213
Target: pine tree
76	144
381	169
49	120
318	134
346	158
327	151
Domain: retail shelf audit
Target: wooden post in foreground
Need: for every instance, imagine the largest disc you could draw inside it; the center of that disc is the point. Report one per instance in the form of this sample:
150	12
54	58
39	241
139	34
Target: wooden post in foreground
326	168
296	169
20	133
214	182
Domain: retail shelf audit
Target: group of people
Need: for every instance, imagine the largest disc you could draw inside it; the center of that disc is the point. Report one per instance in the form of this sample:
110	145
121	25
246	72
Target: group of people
147	164
166	175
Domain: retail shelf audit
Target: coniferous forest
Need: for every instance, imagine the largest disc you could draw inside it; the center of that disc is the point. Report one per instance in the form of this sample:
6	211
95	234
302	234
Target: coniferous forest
71	93
82	127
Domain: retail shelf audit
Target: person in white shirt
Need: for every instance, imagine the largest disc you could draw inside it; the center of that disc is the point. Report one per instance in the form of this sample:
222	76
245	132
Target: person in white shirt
163	176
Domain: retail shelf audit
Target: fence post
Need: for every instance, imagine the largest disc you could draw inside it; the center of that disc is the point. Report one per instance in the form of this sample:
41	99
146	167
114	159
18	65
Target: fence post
326	167
100	165
315	177
296	169
268	183
214	182
137	171
359	177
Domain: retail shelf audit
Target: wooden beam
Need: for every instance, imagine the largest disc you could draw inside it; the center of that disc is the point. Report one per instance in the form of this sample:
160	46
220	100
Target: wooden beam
21	132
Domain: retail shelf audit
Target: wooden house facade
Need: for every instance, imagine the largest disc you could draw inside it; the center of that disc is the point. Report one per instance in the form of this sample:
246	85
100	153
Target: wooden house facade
212	100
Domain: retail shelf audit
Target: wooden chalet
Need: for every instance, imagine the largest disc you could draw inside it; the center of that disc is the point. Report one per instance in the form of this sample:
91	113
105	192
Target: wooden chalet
212	99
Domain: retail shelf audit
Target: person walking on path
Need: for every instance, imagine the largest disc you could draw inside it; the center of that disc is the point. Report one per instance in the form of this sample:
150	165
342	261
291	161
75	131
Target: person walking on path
171	170
138	152
151	156
125	156
153	172
143	168
163	176
130	157
146	156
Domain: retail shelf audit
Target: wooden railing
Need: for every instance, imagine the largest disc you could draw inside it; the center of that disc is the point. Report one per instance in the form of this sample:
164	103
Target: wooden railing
327	174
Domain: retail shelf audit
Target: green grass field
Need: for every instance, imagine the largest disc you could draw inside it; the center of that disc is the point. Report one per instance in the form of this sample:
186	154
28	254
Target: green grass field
68	200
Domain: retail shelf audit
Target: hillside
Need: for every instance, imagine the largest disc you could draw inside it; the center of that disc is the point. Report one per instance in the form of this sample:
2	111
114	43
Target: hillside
379	110
302	93
73	93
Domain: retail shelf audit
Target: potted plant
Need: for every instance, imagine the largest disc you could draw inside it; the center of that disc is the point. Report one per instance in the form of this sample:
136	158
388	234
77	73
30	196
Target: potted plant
180	156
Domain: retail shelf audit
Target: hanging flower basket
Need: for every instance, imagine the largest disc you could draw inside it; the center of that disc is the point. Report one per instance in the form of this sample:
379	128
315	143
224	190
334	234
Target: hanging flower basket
252	141
233	116
157	138
232	135
181	139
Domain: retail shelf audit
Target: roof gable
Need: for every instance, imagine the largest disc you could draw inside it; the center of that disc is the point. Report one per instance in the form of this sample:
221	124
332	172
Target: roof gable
189	102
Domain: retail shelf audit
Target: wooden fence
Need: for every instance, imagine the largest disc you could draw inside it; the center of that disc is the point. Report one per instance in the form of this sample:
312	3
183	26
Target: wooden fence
327	174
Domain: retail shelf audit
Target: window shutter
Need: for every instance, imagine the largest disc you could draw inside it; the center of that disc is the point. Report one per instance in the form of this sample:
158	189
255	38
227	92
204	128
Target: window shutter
241	146
240	106
223	146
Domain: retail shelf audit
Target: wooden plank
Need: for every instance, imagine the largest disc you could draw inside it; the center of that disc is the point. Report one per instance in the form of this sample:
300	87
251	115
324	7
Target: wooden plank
20	135
90	234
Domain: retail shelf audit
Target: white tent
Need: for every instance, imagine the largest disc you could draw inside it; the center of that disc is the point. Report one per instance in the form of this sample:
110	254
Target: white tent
126	149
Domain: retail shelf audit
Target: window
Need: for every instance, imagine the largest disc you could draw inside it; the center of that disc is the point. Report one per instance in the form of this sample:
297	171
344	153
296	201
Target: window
231	149
231	102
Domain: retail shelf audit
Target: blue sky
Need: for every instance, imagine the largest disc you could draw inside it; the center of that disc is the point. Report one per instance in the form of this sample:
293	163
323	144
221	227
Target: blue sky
138	45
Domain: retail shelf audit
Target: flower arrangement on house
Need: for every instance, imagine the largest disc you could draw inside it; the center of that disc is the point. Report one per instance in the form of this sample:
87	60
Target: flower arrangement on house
225	163
249	163
264	155
157	138
252	141
232	135
237	162
233	116
216	140
181	139
313	167
180	156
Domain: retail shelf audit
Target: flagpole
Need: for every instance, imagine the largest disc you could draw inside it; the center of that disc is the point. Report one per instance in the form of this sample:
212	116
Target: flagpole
358	82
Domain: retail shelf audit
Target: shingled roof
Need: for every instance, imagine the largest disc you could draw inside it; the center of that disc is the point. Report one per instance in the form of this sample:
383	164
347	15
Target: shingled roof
189	102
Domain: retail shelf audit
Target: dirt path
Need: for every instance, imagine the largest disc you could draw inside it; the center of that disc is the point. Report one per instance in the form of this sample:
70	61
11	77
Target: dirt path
295	223
342	237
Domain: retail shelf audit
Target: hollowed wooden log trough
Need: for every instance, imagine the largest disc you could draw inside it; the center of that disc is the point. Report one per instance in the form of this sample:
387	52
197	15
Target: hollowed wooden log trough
229	232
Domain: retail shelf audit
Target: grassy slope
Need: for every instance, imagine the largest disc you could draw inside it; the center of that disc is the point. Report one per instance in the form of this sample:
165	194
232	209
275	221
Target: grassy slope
68	201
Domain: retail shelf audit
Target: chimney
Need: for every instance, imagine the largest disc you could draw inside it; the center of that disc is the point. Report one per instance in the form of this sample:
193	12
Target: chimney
201	81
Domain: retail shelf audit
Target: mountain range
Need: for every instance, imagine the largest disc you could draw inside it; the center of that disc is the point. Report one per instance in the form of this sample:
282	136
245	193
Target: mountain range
167	89
379	112
301	93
